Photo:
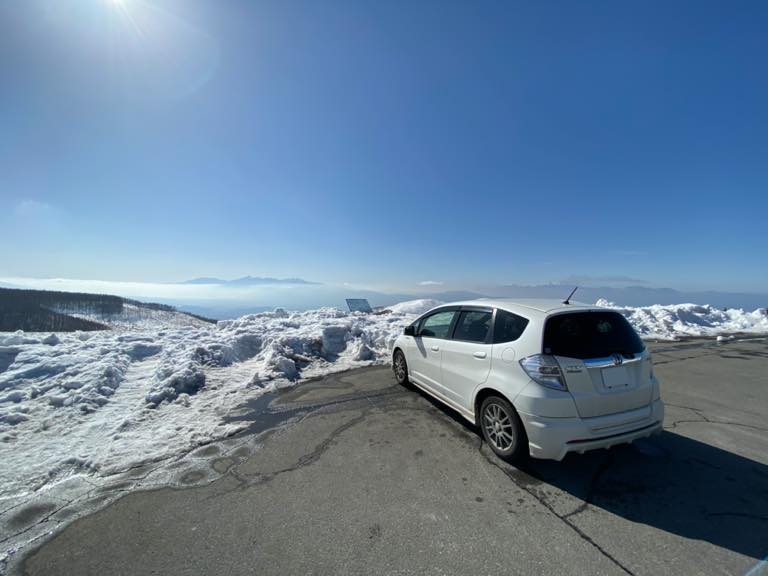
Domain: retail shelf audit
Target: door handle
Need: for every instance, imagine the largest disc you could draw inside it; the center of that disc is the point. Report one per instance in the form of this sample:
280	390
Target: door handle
479	354
435	348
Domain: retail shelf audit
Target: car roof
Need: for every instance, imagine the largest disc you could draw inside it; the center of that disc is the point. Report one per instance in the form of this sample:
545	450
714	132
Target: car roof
543	306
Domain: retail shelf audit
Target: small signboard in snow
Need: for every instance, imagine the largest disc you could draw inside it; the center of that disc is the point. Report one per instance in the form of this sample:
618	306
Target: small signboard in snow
359	305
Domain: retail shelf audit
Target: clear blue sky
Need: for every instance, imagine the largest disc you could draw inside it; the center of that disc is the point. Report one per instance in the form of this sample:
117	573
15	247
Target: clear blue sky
385	143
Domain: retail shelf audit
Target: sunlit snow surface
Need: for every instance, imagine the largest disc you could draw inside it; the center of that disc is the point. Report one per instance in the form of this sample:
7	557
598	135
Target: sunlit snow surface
132	317
675	321
98	403
101	402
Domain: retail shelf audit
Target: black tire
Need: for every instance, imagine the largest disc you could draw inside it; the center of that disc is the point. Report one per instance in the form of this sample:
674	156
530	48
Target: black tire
502	429
400	368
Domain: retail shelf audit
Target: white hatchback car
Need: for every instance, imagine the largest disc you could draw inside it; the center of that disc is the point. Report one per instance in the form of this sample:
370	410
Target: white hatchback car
538	377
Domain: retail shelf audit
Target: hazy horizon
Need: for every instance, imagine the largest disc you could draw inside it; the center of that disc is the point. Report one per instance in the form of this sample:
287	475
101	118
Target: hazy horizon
233	299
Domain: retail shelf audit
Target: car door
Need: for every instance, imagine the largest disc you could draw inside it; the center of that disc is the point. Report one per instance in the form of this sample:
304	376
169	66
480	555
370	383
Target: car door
424	361
466	359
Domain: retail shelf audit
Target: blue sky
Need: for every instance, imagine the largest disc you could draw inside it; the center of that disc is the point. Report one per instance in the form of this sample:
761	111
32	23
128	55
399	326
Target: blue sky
385	144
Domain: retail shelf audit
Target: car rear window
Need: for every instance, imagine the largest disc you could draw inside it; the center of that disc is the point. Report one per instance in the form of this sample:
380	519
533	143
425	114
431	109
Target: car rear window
509	327
590	335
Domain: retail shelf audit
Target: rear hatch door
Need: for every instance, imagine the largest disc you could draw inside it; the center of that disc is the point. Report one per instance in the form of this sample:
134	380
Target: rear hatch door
604	363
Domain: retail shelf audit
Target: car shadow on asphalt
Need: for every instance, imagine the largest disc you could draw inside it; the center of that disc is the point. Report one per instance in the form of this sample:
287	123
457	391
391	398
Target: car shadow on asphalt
672	483
669	482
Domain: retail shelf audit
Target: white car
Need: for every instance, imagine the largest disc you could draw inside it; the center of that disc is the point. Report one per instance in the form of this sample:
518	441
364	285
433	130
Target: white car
538	377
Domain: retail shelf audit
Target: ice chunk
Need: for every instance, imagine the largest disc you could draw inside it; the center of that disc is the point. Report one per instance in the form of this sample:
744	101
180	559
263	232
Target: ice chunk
13	418
334	339
188	379
14	396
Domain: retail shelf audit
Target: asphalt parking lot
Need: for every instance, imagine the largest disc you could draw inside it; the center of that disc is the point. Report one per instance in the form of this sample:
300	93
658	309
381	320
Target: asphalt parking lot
354	475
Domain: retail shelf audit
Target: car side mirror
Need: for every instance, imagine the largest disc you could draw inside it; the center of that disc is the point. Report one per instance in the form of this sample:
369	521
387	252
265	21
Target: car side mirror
410	330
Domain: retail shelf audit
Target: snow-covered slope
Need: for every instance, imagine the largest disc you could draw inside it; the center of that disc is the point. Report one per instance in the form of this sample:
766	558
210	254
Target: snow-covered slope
139	317
100	402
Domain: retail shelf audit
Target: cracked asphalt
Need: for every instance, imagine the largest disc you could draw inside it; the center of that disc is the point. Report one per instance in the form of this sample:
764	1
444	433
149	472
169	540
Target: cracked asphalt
354	475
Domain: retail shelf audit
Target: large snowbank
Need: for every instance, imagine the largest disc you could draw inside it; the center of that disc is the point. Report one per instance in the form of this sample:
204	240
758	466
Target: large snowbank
674	321
415	306
101	402
106	401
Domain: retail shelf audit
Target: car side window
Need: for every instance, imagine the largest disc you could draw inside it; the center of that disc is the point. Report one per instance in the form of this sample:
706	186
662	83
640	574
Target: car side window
508	327
437	325
473	326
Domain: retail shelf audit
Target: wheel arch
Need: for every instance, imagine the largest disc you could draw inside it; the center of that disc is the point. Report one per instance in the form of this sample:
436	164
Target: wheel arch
481	395
487	391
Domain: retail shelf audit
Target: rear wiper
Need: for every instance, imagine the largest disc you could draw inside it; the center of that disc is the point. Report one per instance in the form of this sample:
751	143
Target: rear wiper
623	353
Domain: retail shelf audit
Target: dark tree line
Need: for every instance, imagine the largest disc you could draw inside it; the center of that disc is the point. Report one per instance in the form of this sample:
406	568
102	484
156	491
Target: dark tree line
47	310
151	305
45	321
43	311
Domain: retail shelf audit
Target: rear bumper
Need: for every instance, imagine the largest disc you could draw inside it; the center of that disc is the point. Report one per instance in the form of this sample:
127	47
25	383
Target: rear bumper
553	438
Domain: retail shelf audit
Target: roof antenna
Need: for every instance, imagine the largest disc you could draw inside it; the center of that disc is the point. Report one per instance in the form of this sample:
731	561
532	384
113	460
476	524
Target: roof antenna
568	300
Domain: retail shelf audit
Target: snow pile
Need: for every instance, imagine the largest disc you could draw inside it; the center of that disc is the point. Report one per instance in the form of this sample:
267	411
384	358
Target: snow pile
101	402
79	370
417	307
16	338
674	321
278	345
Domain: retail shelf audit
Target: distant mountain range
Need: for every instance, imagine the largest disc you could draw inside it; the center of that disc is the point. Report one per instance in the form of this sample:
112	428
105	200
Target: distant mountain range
328	295
625	295
249	281
218	298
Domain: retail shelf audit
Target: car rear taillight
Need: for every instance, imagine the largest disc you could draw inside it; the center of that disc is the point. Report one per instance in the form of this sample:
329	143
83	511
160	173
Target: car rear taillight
544	370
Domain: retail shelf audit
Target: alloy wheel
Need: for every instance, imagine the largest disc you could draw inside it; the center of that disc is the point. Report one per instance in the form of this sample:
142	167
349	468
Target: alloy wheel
499	430
400	369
